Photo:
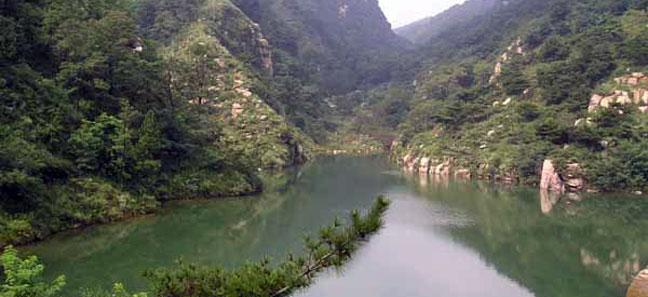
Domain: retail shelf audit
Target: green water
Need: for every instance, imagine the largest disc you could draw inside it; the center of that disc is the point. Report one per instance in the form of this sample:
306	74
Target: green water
441	238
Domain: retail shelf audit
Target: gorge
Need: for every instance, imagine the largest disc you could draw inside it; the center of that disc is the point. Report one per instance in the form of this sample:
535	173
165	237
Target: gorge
508	122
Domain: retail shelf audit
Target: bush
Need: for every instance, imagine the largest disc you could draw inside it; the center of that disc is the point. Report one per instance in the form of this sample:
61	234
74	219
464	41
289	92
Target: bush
24	277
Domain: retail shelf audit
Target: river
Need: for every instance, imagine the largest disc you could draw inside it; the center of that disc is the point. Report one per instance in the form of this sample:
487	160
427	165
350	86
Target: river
442	238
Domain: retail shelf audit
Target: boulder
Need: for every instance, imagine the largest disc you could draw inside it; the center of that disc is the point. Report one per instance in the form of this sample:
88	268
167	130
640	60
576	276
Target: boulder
443	169
550	180
605	102
574	184
463	174
639	286
412	164
424	166
237	109
640	97
595	102
244	92
624	99
637	75
407	159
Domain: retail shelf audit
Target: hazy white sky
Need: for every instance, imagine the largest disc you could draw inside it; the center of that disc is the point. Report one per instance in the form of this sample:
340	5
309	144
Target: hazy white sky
403	12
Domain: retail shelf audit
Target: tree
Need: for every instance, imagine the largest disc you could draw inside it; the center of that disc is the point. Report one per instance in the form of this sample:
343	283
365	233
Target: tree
23	277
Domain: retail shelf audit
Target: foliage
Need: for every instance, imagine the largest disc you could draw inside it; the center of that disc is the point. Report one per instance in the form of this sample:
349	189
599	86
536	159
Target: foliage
23	277
551	56
332	248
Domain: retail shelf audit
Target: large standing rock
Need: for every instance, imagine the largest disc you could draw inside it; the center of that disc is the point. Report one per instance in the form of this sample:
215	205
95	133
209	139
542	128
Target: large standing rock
550	179
639	286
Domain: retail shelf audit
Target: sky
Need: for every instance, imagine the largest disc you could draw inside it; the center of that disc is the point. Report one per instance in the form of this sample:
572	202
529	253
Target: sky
403	12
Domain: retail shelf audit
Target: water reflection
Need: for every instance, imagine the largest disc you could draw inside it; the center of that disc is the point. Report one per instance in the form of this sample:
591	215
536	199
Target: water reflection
442	238
591	247
548	200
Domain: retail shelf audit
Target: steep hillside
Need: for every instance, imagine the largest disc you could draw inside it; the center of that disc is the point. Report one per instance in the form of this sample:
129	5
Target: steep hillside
505	96
220	58
340	44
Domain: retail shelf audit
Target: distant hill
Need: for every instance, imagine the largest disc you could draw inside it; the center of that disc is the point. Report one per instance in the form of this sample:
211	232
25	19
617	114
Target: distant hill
423	30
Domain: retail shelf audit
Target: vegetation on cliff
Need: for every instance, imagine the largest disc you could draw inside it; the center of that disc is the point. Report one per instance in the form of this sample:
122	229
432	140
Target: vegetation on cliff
508	89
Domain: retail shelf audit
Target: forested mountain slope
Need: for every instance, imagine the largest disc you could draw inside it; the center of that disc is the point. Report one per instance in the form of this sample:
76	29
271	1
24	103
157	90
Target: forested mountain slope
532	84
109	107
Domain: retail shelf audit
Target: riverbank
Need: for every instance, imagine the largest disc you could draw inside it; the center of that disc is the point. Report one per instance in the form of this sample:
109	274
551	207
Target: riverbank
498	237
557	176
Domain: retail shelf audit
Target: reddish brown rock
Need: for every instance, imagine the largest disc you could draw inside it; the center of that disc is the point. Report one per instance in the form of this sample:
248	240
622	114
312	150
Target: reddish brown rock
639	286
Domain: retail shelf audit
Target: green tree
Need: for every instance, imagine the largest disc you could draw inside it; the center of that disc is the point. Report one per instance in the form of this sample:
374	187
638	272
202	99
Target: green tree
24	277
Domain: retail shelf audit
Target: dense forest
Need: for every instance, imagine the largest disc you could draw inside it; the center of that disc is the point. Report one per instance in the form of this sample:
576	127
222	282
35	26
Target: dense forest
110	108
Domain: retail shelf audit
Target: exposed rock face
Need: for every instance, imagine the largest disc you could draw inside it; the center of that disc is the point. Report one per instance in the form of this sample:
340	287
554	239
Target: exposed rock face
265	54
639	286
516	48
637	82
424	166
550	180
409	162
463	174
443	169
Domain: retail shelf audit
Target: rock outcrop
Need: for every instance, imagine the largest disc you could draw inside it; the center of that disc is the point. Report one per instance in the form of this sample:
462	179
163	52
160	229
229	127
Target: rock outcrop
433	167
571	181
424	166
516	48
265	55
550	180
573	178
636	82
639	286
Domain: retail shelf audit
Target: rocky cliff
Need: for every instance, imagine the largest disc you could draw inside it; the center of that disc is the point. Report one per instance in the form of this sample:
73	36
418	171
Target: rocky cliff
206	65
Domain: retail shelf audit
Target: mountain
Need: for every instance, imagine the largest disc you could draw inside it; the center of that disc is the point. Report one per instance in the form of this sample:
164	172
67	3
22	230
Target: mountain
551	91
340	44
422	31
